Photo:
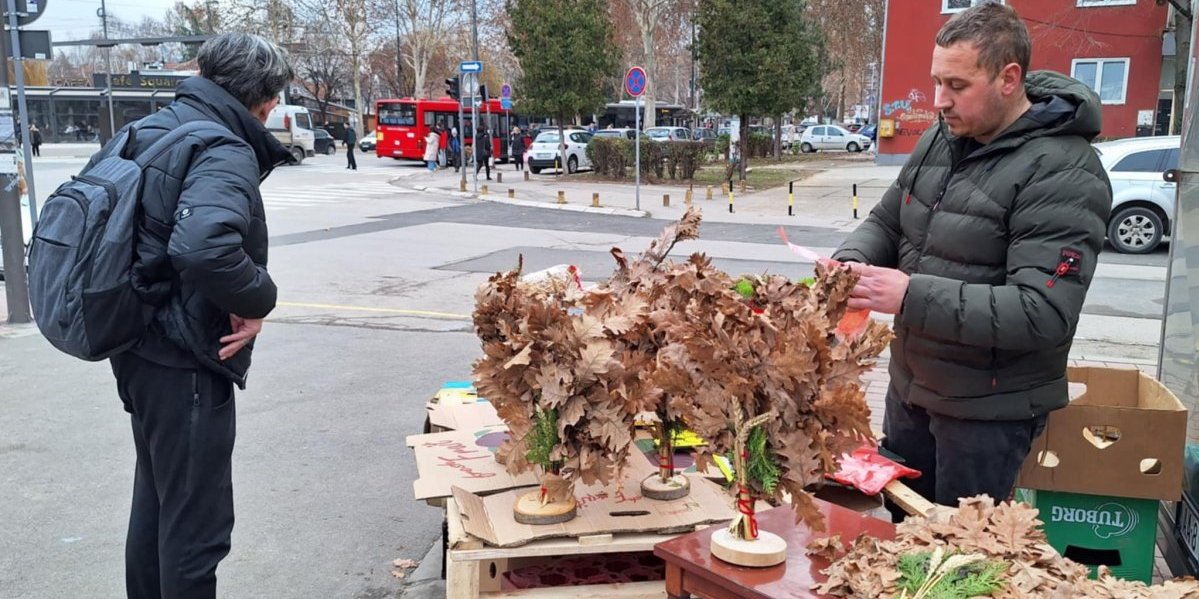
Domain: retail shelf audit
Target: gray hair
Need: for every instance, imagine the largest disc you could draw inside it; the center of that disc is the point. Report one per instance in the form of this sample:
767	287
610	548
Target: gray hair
249	67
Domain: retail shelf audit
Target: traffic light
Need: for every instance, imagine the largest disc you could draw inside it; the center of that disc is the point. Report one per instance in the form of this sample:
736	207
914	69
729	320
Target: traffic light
451	87
483	92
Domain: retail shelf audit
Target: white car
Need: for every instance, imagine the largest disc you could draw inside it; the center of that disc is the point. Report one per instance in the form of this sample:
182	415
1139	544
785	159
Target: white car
668	134
1142	200
832	137
26	232
617	133
544	151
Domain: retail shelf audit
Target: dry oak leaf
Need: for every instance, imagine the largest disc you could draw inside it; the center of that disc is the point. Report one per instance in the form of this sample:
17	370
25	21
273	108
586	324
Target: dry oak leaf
826	547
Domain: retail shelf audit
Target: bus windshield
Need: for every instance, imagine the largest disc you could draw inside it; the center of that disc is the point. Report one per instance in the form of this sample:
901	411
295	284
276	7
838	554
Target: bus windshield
403	115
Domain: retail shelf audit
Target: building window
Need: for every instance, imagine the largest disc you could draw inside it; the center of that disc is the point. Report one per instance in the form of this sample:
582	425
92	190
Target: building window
1085	3
1107	76
952	6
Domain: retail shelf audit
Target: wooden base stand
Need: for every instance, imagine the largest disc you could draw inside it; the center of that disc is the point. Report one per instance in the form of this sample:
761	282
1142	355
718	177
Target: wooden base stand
675	487
767	550
529	510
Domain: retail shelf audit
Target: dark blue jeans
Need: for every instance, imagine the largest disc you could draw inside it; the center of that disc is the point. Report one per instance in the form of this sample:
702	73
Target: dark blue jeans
957	458
182	513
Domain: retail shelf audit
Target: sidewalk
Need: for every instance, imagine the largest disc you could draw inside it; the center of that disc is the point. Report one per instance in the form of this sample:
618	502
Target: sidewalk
823	199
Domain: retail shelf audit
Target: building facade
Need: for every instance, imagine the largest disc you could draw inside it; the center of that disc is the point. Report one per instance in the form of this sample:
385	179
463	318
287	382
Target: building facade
1115	46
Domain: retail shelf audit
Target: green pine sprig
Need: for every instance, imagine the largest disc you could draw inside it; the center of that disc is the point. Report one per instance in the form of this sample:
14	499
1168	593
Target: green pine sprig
543	439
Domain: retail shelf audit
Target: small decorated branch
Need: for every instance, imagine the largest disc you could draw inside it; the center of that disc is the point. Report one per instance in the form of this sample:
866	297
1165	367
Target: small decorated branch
745	525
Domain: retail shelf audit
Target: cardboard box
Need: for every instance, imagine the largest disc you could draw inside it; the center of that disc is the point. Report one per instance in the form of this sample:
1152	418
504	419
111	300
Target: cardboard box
601	510
1123	437
463	458
471	416
1095	530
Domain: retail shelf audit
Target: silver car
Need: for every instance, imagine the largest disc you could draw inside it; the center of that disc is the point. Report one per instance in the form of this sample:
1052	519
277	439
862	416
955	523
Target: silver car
1142	201
668	134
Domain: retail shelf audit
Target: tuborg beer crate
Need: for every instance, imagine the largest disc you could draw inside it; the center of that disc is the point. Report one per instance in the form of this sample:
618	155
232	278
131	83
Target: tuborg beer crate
1117	532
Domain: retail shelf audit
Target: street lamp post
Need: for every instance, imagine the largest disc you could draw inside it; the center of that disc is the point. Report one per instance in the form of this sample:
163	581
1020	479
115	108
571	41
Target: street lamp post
399	69
112	124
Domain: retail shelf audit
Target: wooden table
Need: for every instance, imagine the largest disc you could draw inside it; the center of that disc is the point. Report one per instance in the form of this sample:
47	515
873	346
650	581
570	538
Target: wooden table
691	567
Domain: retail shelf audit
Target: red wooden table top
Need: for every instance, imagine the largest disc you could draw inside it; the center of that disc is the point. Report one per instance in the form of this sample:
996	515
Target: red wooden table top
793	578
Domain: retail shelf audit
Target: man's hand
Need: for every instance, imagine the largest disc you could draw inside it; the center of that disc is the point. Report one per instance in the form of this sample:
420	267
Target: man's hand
244	329
879	289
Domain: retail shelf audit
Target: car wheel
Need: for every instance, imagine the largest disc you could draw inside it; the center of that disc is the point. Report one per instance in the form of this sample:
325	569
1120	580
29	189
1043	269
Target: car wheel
572	165
853	147
298	153
806	148
536	170
1135	230
330	150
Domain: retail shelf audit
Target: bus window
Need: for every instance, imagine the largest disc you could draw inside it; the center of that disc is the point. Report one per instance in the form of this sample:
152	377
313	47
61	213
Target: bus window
395	114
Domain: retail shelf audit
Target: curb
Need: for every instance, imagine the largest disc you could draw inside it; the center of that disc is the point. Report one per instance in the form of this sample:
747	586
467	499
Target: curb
526	203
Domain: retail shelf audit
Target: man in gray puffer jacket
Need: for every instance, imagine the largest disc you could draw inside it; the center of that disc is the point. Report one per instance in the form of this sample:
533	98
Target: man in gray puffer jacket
201	263
983	249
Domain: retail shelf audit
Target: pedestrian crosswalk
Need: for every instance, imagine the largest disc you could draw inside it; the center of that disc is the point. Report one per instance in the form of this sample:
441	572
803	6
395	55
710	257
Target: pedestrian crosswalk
291	196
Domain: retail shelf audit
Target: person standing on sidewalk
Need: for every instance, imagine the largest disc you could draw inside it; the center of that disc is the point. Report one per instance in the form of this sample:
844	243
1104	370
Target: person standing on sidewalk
351	141
200	265
432	140
983	249
35	140
517	147
483	151
455	147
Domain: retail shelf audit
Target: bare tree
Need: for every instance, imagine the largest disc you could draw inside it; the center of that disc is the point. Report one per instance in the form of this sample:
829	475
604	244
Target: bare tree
423	25
854	30
352	23
322	65
649	14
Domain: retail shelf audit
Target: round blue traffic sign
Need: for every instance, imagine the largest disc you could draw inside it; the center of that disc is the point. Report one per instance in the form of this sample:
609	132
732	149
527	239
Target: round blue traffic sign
634	81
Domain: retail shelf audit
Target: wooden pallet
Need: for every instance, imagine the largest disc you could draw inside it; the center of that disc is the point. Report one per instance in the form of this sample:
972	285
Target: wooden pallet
474	569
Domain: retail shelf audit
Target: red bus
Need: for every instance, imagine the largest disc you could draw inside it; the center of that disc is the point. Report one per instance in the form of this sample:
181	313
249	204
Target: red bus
403	124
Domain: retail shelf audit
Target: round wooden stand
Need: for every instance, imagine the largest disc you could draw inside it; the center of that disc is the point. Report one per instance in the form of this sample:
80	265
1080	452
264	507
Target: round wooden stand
675	487
528	510
767	550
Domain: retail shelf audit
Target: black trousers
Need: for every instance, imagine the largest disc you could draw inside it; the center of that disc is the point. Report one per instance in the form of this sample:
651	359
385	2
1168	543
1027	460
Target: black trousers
350	162
957	458
483	162
182	514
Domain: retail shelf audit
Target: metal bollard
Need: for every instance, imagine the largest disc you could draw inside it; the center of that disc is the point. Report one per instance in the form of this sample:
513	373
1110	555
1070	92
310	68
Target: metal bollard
666	200
709	192
499	177
561	197
855	200
511	193
462	186
595	200
743	186
790	198
483	189
730	196
687	198
526	175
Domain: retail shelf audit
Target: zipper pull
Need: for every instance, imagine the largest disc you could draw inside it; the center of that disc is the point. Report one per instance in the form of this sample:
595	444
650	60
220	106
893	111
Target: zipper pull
1062	268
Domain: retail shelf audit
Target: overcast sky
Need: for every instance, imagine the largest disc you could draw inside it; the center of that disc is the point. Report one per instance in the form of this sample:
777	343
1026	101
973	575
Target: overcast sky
75	19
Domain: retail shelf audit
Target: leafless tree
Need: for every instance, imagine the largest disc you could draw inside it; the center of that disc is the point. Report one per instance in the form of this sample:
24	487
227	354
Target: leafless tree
423	27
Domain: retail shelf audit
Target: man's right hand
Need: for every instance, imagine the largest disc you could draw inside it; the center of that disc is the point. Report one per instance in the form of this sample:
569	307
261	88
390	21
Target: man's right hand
244	330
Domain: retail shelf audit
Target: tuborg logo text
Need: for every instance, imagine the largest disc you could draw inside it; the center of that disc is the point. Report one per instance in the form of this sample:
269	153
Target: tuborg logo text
1108	520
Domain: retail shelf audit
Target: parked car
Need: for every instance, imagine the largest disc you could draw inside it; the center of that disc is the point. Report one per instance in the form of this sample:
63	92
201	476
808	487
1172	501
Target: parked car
1142	201
668	134
26	231
832	137
323	142
703	134
870	131
367	143
625	133
544	150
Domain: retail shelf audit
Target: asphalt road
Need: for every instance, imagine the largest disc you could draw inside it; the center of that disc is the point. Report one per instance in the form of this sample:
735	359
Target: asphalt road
376	291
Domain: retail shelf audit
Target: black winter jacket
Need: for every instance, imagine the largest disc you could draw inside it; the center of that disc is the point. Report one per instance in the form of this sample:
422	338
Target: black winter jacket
986	327
202	244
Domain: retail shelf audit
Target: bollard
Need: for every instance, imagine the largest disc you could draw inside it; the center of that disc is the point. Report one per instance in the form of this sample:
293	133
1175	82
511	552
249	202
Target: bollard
595	200
743	186
557	171
483	189
511	193
526	175
709	192
561	197
855	200
687	198
499	177
730	196
666	200
461	185
790	198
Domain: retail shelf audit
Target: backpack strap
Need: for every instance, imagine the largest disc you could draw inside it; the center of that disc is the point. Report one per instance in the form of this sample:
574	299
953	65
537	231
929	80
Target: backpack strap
173	137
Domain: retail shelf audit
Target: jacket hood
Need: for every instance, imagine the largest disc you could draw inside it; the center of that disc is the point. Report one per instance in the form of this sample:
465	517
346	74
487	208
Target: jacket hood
212	99
1061	105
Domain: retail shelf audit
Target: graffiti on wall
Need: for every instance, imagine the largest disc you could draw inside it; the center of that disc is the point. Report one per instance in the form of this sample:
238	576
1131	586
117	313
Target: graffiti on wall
911	113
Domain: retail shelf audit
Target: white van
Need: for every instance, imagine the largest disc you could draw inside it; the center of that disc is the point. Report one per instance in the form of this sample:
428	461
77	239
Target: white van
292	125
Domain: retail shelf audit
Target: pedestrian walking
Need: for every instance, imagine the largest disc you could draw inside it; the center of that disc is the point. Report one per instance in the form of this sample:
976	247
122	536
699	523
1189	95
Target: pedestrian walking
455	147
443	144
984	249
483	151
35	139
517	147
201	269
432	139
351	141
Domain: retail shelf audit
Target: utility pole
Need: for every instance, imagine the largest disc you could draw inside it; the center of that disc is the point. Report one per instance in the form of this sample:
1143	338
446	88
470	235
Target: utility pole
474	30
16	288
112	124
399	58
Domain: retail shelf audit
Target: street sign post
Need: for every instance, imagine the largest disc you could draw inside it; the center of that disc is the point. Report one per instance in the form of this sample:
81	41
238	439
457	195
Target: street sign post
634	83
506	103
505	91
470	66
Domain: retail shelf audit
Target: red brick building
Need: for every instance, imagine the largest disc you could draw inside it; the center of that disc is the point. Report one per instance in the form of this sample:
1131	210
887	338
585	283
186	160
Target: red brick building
1115	46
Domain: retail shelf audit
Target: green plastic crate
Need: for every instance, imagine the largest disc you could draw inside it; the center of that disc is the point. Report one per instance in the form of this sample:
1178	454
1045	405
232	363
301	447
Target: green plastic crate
1096	530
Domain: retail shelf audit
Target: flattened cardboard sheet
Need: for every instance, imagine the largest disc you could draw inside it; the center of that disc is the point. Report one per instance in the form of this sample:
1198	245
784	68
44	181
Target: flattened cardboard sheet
464	416
463	458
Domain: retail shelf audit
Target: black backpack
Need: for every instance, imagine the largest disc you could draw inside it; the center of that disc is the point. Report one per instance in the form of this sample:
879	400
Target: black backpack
82	251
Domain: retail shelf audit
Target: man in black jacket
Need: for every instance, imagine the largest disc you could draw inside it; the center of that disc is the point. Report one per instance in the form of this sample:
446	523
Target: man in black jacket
983	249
200	261
351	139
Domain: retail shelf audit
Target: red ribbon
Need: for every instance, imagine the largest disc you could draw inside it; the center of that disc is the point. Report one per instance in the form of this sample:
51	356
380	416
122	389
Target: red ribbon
544	492
745	504
666	461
